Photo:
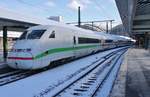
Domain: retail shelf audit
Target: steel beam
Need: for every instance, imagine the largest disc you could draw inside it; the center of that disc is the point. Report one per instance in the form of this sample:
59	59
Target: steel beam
141	26
144	2
141	31
142	17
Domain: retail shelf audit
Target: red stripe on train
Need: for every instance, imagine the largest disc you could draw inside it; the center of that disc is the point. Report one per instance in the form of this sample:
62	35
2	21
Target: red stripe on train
21	58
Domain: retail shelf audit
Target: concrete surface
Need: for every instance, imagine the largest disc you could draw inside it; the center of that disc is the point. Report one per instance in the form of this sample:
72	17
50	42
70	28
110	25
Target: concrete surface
134	75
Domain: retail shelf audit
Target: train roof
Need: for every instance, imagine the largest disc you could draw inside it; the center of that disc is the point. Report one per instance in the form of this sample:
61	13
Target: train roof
111	36
89	32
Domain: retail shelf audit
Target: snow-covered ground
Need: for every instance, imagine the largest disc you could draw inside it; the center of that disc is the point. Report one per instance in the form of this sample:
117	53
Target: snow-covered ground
99	74
107	86
43	84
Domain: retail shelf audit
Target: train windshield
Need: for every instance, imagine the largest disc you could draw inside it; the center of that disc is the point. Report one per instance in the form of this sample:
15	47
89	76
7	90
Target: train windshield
35	34
23	36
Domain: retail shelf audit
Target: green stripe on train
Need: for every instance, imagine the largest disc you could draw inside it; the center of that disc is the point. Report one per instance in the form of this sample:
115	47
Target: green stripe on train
57	50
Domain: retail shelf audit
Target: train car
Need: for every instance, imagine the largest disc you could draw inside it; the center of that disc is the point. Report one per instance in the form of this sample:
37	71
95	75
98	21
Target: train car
39	46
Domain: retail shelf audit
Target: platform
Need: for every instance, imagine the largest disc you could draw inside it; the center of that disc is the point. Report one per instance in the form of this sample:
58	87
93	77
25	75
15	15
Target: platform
134	75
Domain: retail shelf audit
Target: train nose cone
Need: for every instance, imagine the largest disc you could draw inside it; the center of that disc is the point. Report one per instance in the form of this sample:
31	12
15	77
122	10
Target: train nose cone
24	64
21	60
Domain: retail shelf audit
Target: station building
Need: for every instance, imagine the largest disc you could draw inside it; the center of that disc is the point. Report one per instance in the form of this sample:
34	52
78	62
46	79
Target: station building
135	15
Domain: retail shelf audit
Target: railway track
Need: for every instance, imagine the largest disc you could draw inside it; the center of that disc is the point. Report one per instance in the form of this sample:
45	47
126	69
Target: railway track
84	86
19	74
105	85
9	73
6	70
14	76
83	83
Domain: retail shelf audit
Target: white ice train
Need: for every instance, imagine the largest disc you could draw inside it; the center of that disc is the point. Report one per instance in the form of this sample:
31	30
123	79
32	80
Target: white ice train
40	45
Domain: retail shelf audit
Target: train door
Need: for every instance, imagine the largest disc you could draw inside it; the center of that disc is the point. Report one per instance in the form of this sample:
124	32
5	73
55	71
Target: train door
74	45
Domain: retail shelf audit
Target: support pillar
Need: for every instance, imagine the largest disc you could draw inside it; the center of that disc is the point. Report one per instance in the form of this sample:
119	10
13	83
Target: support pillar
5	43
149	40
107	27
79	17
146	40
110	26
93	26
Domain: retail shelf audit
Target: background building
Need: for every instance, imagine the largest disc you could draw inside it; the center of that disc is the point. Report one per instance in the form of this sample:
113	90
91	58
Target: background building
12	37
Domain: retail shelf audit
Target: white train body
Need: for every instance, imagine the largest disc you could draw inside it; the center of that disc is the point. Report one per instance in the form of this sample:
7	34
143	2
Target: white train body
41	45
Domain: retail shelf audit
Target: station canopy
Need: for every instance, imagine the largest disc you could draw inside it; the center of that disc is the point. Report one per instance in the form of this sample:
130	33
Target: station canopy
19	21
135	15
141	20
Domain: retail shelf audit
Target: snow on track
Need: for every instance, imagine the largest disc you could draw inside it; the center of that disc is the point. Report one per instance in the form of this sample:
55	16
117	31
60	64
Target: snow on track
86	86
105	89
76	90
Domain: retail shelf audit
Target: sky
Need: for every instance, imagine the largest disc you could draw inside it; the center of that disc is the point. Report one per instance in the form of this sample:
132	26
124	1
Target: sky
90	9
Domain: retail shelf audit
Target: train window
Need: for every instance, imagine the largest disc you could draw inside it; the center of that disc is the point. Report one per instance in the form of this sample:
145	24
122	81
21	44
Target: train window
108	41
14	39
52	35
100	41
23	36
83	40
35	34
